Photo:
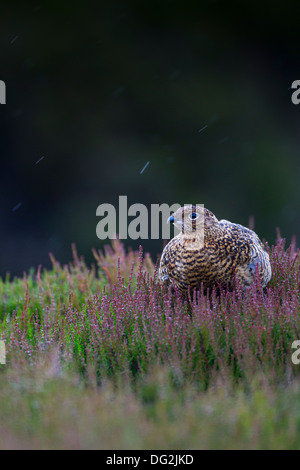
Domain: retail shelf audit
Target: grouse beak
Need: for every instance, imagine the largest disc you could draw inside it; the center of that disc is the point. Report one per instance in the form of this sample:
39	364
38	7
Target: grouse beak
170	219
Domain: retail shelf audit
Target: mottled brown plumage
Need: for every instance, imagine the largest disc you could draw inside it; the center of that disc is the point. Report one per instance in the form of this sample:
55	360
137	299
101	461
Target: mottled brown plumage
211	252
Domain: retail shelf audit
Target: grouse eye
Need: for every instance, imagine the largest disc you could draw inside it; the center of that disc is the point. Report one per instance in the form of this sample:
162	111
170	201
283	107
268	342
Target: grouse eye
194	215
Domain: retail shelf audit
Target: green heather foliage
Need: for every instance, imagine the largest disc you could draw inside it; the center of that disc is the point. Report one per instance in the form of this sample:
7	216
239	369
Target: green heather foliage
105	357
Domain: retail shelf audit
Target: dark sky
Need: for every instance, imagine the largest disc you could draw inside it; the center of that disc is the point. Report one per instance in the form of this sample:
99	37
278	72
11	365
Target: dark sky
95	91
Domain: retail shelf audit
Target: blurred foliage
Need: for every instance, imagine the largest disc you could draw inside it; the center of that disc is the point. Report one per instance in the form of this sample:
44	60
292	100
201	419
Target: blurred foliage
99	90
107	359
44	409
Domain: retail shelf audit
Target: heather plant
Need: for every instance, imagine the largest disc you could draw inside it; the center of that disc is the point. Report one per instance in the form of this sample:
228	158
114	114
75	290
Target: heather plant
114	325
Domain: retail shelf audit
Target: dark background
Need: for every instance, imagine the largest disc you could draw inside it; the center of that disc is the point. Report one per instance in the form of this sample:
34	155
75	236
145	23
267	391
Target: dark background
100	89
